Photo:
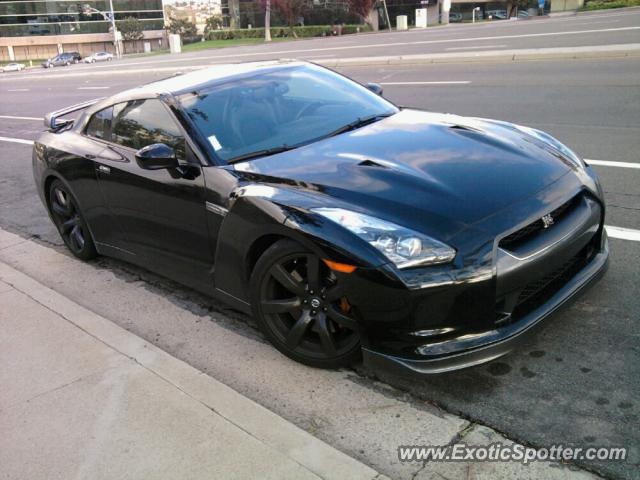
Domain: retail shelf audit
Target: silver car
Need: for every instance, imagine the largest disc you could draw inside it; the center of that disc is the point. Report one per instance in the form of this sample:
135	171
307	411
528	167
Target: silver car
99	57
13	67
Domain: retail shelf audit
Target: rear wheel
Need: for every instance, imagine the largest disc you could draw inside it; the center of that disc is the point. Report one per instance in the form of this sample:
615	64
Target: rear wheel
299	305
69	222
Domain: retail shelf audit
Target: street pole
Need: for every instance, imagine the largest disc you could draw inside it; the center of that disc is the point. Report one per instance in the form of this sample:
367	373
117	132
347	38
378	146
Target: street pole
267	21
473	14
116	43
386	12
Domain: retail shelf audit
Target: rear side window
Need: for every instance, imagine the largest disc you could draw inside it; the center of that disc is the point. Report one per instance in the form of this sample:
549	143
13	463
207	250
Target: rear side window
100	124
143	122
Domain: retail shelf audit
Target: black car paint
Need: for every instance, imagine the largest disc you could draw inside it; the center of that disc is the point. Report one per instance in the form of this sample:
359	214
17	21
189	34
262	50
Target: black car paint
467	182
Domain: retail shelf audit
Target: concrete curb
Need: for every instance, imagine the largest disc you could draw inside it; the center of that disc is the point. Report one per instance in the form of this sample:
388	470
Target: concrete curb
520	55
264	425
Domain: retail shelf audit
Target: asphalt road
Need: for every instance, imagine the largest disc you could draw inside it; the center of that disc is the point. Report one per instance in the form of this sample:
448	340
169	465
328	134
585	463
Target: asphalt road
612	27
577	381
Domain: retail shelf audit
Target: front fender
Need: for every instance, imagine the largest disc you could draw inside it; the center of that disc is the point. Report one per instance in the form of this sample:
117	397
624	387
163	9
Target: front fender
260	212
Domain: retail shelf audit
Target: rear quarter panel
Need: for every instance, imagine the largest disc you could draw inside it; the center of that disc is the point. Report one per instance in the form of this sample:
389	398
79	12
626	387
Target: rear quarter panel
66	156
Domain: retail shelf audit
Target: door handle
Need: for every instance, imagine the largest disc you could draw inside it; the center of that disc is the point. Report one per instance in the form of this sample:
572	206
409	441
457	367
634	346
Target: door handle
104	169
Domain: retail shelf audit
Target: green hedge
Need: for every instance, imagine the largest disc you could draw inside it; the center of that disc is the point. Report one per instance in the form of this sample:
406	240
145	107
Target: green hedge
604	4
277	32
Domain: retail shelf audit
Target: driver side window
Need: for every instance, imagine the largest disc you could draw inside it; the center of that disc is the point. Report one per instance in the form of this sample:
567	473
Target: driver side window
139	123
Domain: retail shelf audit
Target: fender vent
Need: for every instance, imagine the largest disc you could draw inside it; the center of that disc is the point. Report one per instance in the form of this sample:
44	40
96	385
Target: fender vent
371	163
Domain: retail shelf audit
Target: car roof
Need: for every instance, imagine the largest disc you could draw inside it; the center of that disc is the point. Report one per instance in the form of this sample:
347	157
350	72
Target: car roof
183	83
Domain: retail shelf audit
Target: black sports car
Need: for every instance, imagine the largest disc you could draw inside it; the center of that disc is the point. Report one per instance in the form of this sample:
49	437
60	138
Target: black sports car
344	224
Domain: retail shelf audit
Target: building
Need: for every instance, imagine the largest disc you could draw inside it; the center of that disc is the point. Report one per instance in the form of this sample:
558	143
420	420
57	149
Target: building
195	11
37	29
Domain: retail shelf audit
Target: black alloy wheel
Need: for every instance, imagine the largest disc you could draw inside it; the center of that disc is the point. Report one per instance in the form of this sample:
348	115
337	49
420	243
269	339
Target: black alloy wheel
70	223
301	309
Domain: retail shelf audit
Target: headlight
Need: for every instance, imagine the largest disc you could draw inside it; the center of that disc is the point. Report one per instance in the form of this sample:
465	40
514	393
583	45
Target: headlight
402	246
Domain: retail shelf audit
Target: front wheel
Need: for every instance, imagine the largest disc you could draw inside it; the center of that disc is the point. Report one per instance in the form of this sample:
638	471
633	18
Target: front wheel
70	222
299	305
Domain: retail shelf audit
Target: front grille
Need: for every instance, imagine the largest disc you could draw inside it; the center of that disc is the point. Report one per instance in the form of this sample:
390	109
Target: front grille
541	290
528	232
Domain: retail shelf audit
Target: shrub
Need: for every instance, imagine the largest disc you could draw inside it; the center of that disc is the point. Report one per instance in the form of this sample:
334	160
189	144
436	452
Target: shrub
279	32
604	4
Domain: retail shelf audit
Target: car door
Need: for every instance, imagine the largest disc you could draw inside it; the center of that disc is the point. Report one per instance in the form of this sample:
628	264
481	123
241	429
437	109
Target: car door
161	212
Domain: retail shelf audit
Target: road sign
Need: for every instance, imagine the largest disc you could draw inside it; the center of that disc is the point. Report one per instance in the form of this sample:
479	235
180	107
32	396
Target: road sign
541	3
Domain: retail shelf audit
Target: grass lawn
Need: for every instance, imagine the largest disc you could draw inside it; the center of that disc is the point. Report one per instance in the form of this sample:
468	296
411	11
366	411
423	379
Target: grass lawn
192	47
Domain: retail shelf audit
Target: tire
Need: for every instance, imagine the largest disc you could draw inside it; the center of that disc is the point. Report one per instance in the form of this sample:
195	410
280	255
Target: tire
286	281
69	221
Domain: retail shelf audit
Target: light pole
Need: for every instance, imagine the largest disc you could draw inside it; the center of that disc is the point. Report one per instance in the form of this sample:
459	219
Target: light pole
109	16
473	14
267	21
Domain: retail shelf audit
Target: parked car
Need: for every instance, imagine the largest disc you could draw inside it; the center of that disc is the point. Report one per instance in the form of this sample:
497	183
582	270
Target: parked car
13	67
497	14
343	223
455	17
99	57
66	58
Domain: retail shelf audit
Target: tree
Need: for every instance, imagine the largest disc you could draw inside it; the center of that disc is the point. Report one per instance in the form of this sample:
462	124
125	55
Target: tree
362	8
131	29
183	27
214	22
291	10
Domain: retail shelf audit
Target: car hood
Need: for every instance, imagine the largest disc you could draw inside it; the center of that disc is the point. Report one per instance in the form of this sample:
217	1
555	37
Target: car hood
416	167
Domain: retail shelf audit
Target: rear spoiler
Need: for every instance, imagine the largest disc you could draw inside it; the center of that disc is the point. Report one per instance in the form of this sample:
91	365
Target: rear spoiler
53	122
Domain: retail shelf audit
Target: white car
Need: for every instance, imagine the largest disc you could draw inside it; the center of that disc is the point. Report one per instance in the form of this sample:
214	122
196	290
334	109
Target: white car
99	57
13	67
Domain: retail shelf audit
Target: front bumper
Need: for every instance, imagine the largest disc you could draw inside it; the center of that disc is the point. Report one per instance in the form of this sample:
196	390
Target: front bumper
473	349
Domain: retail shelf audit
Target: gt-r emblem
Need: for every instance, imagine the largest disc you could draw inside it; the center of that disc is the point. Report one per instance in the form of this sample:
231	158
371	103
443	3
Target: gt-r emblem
547	220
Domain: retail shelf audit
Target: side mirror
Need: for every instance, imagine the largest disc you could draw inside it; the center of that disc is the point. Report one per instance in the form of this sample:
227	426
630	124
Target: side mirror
375	88
156	157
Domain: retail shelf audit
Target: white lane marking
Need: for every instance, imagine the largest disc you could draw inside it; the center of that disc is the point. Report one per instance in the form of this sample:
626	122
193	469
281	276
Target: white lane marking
476	47
623	233
16	140
123	68
608	163
18	90
10	117
93	88
444	82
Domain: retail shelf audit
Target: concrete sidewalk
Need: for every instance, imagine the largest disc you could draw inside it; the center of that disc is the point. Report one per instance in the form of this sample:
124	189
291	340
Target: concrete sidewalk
81	397
84	398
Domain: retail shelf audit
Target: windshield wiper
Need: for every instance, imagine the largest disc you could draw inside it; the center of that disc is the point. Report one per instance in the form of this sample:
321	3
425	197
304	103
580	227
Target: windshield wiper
260	153
360	122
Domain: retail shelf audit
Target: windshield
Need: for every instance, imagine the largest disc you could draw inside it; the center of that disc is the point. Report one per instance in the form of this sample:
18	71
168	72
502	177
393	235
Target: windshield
279	109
